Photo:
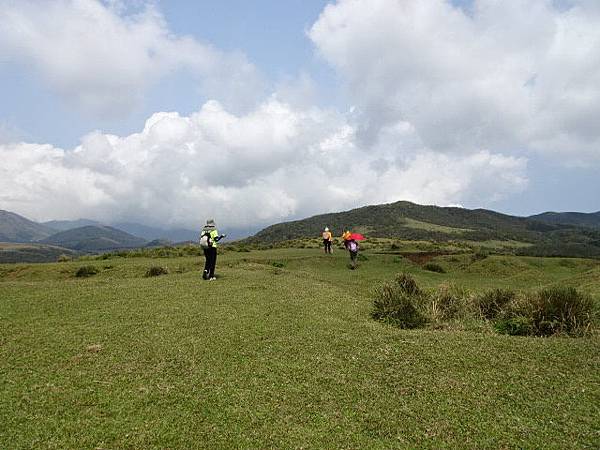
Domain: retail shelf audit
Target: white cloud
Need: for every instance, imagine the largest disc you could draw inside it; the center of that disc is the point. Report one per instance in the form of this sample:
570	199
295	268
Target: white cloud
103	59
271	164
508	76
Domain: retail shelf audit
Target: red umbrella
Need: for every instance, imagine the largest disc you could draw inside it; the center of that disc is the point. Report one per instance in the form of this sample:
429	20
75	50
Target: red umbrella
357	237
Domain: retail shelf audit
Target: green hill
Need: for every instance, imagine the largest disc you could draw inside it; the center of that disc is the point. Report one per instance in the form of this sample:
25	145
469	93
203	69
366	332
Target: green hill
16	228
31	253
569	218
409	221
94	238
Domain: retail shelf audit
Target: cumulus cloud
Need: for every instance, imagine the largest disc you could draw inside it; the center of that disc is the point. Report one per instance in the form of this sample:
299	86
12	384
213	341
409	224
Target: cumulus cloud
273	163
504	76
103	57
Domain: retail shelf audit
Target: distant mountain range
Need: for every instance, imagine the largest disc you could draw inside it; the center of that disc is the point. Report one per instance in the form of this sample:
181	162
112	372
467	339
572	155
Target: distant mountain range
15	228
94	238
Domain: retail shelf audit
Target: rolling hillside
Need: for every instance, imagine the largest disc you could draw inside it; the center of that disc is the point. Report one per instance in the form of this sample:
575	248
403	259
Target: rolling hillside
405	220
16	228
94	238
569	218
32	253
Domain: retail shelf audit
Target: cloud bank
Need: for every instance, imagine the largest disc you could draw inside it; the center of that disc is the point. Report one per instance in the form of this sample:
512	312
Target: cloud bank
272	163
449	105
506	76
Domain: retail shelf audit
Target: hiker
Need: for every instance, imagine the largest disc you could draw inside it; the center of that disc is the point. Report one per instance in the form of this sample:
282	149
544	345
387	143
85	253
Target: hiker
352	247
327	241
208	241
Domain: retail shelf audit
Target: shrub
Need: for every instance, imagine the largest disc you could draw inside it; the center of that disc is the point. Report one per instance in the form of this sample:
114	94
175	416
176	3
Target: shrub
64	258
155	271
86	271
434	267
562	310
554	310
448	302
515	326
481	253
278	264
394	305
407	284
491	303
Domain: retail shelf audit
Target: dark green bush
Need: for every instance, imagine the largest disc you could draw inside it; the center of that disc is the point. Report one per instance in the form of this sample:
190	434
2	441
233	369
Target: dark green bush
407	284
278	264
155	271
554	310
434	267
86	271
515	326
491	303
562	310
394	305
448	302
398	303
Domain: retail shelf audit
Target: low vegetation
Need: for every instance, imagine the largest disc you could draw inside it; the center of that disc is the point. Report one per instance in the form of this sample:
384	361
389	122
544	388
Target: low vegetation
86	271
156	271
548	311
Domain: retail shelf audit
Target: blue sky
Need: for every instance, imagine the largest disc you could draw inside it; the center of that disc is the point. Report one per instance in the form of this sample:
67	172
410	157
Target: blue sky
109	109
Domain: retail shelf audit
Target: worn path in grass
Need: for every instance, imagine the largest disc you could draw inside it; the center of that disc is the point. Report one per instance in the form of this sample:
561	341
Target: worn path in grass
279	357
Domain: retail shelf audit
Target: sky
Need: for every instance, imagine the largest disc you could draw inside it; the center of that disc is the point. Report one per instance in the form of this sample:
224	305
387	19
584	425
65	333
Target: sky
169	112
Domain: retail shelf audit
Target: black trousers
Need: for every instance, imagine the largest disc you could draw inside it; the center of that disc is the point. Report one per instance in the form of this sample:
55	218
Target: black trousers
327	245
211	261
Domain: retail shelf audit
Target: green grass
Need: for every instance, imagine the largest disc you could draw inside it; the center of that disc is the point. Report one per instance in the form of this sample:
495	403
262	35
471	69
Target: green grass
280	352
419	225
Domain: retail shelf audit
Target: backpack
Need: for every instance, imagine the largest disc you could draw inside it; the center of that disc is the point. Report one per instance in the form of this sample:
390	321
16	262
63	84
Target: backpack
205	240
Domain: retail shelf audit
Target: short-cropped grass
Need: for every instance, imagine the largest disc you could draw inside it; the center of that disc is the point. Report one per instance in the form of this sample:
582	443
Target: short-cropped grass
282	358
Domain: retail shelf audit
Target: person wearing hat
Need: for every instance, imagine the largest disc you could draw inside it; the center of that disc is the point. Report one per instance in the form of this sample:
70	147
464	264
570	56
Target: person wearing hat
327	240
208	241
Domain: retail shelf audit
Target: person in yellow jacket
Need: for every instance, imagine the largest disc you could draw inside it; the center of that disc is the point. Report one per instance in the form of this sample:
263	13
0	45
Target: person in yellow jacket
208	241
327	240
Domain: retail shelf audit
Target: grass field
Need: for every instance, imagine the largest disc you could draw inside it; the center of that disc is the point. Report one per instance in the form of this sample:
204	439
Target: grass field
281	352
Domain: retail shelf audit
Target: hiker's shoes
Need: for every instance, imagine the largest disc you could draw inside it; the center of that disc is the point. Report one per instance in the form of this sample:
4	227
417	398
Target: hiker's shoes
205	275
212	279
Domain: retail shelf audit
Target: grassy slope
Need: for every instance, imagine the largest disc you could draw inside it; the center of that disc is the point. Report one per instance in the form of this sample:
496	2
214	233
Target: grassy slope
280	357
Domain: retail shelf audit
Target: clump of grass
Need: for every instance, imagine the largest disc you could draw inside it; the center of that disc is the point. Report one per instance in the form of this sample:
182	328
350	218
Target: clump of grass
434	267
362	257
407	283
86	271
155	271
515	326
278	264
490	304
397	303
480	253
448	302
554	310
